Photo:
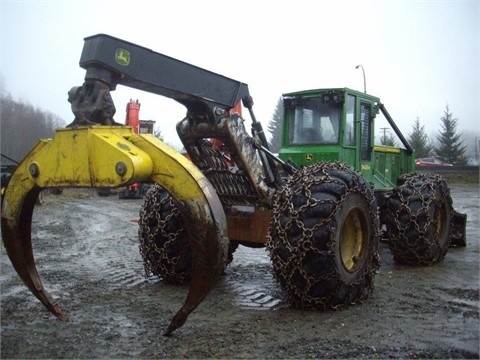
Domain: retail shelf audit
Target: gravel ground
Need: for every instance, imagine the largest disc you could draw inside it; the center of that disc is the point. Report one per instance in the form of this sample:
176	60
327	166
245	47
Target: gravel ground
87	255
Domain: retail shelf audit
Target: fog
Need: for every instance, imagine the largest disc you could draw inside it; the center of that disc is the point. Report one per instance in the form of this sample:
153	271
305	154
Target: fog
418	57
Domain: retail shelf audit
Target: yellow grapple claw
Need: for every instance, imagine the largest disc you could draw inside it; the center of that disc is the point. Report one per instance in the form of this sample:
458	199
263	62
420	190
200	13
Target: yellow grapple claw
101	156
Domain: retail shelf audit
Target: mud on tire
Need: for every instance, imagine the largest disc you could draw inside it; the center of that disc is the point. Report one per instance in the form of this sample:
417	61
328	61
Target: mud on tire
323	238
163	244
417	217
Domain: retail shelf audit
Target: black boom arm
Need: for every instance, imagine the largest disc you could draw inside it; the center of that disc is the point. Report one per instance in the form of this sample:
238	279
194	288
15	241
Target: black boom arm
114	61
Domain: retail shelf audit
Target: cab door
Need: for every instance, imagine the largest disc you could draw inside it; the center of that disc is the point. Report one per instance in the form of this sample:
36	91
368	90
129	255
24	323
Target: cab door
366	117
350	154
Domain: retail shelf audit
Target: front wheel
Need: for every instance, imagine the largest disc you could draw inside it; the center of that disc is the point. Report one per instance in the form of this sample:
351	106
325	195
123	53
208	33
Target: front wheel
323	238
164	244
163	239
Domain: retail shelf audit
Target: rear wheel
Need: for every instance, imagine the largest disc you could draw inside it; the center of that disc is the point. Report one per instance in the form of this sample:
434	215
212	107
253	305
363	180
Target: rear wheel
418	217
323	237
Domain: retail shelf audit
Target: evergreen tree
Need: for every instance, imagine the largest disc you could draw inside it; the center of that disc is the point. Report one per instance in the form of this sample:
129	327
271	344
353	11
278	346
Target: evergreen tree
450	147
419	141
387	140
158	134
275	127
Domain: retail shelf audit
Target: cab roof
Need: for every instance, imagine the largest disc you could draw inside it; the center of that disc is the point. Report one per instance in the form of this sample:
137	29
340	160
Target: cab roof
314	92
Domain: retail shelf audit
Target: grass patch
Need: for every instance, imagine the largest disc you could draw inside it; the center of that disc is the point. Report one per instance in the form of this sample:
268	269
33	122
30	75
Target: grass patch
461	178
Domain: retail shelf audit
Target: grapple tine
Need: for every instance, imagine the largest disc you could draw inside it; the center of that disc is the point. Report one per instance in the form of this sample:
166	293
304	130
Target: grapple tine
205	220
16	236
208	262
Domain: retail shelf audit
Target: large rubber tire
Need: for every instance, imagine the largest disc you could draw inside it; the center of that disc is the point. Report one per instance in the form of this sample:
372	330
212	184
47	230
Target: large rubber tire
323	238
104	192
163	241
417	219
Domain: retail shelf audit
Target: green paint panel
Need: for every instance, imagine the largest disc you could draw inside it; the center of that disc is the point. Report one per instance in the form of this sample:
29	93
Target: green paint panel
338	125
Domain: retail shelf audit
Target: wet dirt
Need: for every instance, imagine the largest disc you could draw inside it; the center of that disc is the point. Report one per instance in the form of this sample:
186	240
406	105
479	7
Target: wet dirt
87	255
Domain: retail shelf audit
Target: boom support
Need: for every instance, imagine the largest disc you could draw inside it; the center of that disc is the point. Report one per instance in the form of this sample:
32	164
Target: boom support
207	96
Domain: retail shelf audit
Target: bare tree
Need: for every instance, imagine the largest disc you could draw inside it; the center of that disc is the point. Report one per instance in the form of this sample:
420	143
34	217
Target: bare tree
22	126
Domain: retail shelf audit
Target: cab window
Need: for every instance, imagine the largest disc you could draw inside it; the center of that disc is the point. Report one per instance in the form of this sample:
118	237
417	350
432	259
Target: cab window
313	122
349	139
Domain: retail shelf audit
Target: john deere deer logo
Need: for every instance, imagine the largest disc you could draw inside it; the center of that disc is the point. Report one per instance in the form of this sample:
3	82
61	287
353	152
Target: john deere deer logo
308	157
122	57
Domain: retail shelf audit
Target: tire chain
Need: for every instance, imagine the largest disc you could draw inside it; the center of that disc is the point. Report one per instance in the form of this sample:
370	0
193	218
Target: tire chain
164	244
409	225
298	248
161	230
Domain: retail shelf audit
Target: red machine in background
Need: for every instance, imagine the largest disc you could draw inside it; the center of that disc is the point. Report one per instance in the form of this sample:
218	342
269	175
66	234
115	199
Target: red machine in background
132	119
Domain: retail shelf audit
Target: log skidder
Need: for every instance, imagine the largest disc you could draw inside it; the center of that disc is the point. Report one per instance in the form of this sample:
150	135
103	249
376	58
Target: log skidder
418	217
320	225
323	238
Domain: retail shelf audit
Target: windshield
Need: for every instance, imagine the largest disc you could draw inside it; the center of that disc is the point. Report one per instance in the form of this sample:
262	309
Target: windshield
313	122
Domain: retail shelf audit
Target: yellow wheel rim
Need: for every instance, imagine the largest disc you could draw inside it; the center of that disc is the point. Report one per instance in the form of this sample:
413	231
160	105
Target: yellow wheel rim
440	219
353	240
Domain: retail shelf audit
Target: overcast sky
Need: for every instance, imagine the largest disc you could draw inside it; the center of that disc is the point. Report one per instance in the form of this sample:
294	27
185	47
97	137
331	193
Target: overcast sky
418	56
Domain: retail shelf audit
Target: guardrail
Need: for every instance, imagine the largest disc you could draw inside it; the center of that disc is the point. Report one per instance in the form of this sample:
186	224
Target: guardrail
448	169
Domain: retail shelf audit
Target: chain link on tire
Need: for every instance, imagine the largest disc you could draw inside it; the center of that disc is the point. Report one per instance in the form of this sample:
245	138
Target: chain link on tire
323	238
163	241
418	217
